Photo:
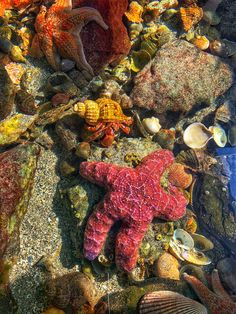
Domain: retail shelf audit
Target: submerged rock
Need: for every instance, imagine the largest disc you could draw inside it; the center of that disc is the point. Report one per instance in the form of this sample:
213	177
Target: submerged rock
228	21
17	168
179	78
110	45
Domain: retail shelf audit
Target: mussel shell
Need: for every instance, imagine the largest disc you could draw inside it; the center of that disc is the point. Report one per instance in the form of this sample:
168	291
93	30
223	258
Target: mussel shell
169	302
201	243
196	257
139	59
183	238
175	250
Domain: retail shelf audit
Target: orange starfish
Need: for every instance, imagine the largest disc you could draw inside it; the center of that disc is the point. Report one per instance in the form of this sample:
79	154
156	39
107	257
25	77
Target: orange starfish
59	27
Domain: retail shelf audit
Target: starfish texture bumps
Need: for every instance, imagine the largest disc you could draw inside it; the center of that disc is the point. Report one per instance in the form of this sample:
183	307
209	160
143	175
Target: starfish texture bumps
59	27
135	197
217	302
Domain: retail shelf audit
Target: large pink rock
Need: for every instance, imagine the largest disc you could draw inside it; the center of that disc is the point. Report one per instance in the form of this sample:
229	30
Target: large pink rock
105	46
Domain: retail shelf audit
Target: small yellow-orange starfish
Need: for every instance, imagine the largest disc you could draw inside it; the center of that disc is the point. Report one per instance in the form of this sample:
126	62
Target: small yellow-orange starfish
59	27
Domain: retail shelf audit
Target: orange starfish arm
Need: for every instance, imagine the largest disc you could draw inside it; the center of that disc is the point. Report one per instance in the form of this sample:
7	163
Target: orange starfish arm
217	286
35	50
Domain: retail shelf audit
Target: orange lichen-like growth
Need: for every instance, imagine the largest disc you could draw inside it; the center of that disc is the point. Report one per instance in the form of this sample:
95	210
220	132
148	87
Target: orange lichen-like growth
190	16
134	14
178	176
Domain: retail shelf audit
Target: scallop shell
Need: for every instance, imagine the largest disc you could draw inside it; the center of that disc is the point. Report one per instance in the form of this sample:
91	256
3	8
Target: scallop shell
196	135
178	176
168	302
201	243
183	239
196	257
219	135
190	16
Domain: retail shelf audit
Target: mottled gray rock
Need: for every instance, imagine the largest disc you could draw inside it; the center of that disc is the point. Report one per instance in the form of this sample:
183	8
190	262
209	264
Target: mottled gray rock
180	77
227	26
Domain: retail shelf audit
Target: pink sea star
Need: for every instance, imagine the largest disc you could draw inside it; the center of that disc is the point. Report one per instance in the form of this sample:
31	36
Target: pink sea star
217	302
135	197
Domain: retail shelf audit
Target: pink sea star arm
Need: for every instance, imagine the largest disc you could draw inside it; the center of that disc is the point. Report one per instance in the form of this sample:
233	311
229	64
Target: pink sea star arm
156	163
217	286
214	303
99	223
128	241
172	205
100	173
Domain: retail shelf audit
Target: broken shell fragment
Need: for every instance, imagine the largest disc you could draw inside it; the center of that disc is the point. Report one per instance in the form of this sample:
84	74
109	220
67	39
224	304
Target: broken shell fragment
151	125
196	257
196	135
201	243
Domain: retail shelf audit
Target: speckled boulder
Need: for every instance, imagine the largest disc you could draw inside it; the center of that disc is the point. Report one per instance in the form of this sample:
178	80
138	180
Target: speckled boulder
180	77
104	46
17	168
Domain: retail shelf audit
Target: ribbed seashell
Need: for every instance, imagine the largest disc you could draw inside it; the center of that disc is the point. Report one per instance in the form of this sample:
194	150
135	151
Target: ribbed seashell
190	16
219	135
89	110
201	243
178	176
169	302
201	42
139	59
149	46
223	48
135	29
196	135
134	14
196	257
183	239
151	125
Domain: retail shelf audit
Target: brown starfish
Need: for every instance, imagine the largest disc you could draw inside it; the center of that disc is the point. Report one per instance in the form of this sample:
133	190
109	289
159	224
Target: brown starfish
217	302
59	27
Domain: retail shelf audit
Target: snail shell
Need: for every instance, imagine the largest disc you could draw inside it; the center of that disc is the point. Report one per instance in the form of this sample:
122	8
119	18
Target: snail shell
89	110
196	135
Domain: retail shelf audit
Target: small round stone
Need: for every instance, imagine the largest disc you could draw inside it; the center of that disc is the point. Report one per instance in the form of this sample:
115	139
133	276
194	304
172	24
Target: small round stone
167	266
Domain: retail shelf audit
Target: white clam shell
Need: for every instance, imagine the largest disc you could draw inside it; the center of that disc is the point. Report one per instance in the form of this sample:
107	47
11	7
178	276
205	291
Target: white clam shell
183	239
196	135
152	125
169	302
196	257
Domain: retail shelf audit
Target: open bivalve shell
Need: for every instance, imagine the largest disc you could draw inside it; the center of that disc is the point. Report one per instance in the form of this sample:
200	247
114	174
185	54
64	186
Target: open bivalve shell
196	257
201	243
169	302
196	135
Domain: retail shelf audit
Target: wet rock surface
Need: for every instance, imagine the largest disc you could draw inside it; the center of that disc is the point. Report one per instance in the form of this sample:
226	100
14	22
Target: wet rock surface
228	20
179	78
17	168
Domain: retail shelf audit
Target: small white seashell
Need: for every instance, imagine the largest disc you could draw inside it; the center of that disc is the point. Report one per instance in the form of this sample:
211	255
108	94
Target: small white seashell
152	125
175	250
169	302
219	135
196	135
